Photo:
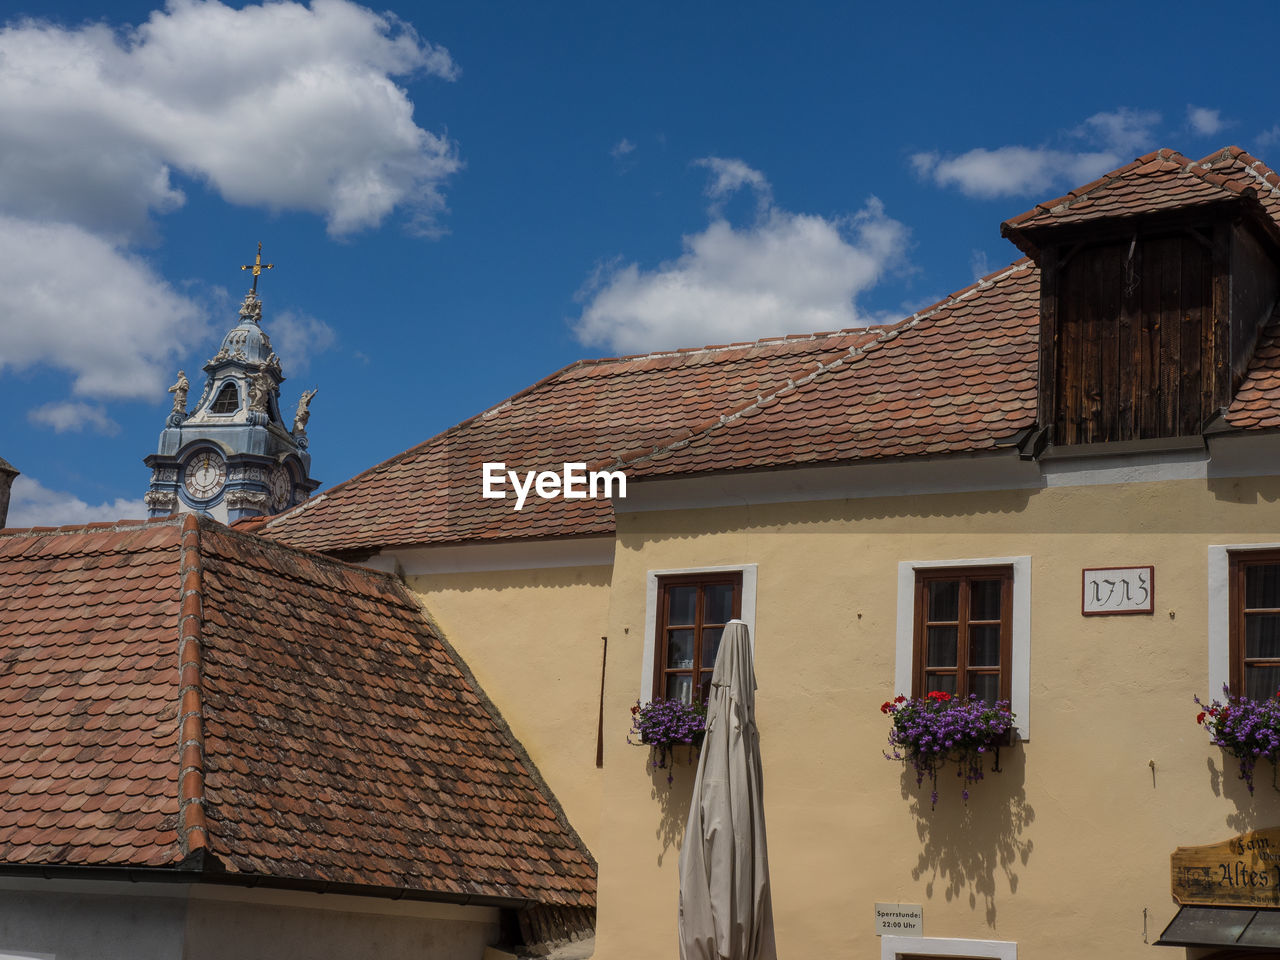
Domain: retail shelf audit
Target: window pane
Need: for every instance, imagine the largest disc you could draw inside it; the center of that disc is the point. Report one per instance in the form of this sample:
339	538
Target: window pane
1262	585
985	685
942	647
679	649
719	603
944	600
227	401
680	687
984	646
945	682
1261	683
984	600
1262	636
710	645
682	603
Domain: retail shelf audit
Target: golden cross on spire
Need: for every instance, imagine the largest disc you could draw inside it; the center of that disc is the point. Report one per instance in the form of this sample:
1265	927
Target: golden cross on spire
257	267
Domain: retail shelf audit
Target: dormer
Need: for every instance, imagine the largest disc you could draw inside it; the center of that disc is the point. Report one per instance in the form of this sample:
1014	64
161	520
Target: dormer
1155	282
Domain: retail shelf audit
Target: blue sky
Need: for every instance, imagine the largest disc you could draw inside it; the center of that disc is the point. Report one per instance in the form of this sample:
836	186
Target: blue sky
461	198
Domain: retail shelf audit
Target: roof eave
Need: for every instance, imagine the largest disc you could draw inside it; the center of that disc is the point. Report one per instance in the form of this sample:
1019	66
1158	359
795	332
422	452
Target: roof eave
1033	239
180	874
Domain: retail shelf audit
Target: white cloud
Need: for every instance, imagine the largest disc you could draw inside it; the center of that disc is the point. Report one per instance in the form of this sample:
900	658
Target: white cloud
1204	121
979	265
73	301
732	175
1122	132
32	505
622	148
297	337
784	273
1268	137
277	105
1010	171
74	418
1110	140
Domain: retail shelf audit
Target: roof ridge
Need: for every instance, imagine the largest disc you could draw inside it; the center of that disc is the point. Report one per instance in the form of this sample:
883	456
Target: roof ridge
504	404
735	345
193	827
311	555
1268	180
888	332
1079	193
97	526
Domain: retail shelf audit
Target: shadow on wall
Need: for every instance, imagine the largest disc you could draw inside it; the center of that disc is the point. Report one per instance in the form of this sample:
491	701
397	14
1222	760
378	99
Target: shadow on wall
965	848
1253	810
673	789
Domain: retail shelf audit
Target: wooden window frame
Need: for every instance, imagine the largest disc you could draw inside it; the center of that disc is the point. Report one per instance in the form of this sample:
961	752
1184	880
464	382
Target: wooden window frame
710	578
1238	562
965	574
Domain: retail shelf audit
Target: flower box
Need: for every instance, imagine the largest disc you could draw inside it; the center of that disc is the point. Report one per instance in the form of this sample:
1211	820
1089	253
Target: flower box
929	731
662	725
1248	730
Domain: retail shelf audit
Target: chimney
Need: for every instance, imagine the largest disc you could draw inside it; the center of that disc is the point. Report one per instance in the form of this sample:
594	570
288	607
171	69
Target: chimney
7	473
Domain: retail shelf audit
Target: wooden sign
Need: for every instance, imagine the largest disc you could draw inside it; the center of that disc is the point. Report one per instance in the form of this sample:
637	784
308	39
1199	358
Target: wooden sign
1112	590
900	919
1243	871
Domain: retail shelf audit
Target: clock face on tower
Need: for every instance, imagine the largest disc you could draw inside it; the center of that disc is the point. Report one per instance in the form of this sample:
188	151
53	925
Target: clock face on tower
281	487
204	475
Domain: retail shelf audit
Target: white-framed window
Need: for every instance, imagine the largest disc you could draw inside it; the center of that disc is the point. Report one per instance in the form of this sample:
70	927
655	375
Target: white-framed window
906	948
653	616
1222	593
906	668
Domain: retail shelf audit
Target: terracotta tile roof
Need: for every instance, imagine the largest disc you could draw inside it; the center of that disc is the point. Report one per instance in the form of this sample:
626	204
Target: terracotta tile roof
174	687
958	377
594	411
1239	170
89	731
885	400
1257	403
1157	181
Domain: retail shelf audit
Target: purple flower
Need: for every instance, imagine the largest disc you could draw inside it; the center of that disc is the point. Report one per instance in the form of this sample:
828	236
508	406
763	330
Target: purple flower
929	731
1248	730
664	724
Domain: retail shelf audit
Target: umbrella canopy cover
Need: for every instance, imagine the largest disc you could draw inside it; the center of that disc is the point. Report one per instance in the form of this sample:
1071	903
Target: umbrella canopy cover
725	908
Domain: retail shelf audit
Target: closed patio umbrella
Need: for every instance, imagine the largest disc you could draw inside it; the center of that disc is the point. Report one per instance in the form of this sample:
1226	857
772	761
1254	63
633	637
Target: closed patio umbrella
725	909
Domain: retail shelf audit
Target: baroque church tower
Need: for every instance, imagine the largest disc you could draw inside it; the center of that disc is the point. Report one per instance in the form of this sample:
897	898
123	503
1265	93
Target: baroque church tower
233	456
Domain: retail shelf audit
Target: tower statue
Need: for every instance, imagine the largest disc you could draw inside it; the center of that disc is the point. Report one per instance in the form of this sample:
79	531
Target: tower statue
233	456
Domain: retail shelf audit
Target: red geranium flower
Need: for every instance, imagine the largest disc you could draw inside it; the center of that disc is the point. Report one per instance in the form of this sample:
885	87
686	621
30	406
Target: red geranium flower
941	696
1200	717
899	699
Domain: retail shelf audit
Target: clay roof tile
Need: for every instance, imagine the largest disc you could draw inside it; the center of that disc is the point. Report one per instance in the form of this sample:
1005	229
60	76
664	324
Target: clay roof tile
273	706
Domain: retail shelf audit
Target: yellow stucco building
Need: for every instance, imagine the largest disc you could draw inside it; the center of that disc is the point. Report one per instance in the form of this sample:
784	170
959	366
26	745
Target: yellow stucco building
1058	487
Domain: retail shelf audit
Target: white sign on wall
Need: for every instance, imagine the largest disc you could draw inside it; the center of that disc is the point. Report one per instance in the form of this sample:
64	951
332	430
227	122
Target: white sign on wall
900	919
1107	590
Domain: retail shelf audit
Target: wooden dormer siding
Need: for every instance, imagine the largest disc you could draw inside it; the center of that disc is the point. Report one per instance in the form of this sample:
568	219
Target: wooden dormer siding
1146	328
1156	281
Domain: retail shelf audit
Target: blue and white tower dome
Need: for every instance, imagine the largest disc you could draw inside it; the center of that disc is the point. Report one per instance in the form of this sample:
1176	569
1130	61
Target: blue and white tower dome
233	455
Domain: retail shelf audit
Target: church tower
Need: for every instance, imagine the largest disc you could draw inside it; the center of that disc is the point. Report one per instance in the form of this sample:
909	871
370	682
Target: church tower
233	456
